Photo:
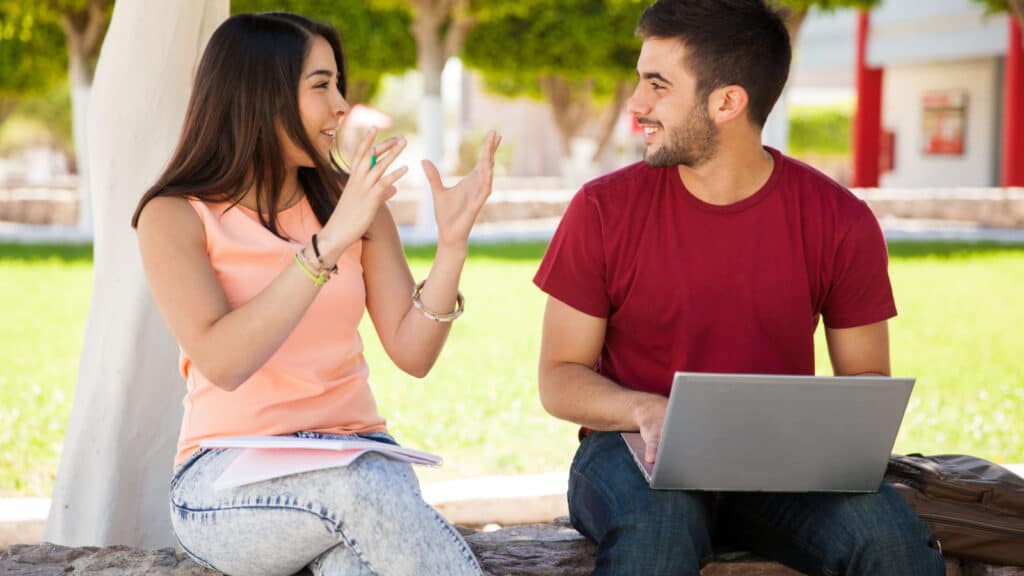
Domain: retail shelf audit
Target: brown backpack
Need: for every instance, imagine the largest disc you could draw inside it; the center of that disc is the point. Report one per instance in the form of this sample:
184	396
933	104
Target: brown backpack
974	507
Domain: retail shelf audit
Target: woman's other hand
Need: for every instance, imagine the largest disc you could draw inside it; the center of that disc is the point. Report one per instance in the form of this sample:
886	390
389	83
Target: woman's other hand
456	208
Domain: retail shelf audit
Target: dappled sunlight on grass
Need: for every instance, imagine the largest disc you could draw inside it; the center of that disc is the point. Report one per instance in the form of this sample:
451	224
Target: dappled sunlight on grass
45	294
479	406
959	332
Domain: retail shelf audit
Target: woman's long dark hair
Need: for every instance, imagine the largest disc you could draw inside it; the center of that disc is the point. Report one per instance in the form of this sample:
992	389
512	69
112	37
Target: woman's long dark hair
246	85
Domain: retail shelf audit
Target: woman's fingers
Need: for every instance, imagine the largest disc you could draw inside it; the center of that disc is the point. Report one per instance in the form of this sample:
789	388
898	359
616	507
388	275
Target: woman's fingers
389	179
386	153
487	164
364	147
382	147
433	176
490	146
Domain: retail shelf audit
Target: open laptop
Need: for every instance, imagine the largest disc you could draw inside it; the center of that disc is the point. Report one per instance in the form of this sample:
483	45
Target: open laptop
741	432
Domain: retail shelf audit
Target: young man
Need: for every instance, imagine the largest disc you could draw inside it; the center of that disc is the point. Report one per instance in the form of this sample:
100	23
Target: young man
715	254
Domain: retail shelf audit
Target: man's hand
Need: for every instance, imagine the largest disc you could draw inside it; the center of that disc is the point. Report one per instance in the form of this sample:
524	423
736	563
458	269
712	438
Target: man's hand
649	415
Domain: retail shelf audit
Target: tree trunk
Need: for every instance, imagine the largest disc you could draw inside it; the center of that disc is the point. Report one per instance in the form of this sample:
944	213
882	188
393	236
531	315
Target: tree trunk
1017	10
570	106
794	20
81	86
7	106
429	19
111	487
84	30
611	117
440	28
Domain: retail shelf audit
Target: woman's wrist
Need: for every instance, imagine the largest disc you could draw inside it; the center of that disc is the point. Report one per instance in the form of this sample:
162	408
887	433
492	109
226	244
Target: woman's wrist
457	251
331	247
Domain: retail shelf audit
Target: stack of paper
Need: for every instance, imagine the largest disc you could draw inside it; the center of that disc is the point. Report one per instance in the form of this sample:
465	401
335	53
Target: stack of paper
266	457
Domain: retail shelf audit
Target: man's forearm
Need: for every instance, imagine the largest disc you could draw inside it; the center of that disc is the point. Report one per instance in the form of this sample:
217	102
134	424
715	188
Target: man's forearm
578	394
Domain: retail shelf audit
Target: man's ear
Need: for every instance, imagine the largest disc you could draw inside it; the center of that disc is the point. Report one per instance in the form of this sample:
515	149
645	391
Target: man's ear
727	103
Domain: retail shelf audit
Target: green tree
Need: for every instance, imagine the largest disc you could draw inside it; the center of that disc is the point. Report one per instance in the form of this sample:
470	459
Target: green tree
32	59
797	10
83	23
376	38
1014	7
439	28
578	54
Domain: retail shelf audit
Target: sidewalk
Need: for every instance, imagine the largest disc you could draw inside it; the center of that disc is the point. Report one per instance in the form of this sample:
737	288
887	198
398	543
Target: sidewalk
541	230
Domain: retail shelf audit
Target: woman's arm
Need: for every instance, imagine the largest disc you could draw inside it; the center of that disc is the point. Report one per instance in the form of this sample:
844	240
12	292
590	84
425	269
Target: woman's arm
226	345
411	340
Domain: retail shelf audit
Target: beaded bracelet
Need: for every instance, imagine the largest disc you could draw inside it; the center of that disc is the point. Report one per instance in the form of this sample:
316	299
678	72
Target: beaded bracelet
460	306
318	279
319	260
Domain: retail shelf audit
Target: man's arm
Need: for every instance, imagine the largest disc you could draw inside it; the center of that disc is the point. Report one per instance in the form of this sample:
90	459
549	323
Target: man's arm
570	389
860	351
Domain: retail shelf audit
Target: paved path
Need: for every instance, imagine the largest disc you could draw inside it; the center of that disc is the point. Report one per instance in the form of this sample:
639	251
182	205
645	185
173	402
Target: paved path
541	231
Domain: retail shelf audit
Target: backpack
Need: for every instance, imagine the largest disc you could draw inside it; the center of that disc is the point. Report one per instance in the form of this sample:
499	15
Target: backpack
974	507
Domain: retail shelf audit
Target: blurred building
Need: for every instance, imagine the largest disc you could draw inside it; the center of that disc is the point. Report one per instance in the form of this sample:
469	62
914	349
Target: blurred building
940	90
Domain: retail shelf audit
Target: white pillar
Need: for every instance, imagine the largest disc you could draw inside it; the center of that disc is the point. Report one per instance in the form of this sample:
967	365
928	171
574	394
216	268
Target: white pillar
431	125
118	452
80	111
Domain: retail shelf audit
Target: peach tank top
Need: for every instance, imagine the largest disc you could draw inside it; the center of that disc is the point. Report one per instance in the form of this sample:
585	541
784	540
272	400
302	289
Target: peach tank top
317	380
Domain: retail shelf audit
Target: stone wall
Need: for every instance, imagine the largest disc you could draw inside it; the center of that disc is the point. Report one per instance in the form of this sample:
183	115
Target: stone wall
39	205
984	207
530	550
987	207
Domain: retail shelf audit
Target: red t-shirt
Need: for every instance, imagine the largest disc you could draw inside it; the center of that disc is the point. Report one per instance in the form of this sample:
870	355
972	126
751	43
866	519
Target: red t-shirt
690	286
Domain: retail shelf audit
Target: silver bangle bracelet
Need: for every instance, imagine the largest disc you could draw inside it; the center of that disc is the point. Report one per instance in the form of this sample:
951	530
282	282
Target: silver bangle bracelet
460	306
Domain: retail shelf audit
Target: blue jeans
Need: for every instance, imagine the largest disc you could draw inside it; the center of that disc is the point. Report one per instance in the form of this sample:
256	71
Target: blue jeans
644	531
364	519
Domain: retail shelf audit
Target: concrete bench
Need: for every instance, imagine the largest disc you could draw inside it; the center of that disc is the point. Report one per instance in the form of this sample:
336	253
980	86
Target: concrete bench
528	550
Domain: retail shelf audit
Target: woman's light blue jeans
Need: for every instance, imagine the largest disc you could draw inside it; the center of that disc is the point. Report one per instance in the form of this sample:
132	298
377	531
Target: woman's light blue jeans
367	518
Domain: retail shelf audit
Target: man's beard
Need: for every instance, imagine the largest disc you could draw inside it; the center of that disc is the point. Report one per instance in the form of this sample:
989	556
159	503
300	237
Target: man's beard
690	145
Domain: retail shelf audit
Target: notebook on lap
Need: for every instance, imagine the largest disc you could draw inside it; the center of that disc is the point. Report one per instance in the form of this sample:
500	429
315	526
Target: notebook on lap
768	433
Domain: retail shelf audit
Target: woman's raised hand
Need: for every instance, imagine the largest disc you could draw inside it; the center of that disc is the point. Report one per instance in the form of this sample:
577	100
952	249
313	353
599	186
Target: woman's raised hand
456	208
369	186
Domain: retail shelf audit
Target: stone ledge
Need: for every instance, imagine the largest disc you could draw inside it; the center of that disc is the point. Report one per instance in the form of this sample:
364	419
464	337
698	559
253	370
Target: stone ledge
501	500
529	550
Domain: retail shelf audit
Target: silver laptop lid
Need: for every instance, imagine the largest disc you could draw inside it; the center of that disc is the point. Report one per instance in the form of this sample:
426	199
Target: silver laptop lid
727	432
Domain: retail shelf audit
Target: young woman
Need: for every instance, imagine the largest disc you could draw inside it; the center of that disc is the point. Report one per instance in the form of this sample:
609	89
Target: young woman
262	255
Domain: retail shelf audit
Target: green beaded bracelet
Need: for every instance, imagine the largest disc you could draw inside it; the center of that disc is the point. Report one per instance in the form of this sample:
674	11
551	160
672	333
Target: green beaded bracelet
318	280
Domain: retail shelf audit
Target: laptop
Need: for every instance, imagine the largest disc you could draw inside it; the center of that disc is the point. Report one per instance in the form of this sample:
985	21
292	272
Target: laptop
769	433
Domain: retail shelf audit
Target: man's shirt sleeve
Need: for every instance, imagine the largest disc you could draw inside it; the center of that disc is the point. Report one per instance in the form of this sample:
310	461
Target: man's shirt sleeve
860	291
574	268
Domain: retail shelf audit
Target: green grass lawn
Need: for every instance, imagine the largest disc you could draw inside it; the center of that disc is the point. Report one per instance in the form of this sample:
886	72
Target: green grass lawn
959	331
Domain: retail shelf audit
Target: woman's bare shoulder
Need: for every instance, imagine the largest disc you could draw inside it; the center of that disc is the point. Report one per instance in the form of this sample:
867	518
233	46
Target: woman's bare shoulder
170	218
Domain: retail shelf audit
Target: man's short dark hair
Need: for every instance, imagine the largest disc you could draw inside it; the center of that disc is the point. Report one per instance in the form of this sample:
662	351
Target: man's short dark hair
728	42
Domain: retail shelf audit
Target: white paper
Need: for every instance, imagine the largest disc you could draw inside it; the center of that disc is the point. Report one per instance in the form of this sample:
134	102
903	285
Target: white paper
265	457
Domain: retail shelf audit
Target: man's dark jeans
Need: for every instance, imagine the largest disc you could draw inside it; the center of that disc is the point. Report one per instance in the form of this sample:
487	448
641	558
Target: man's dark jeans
664	533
